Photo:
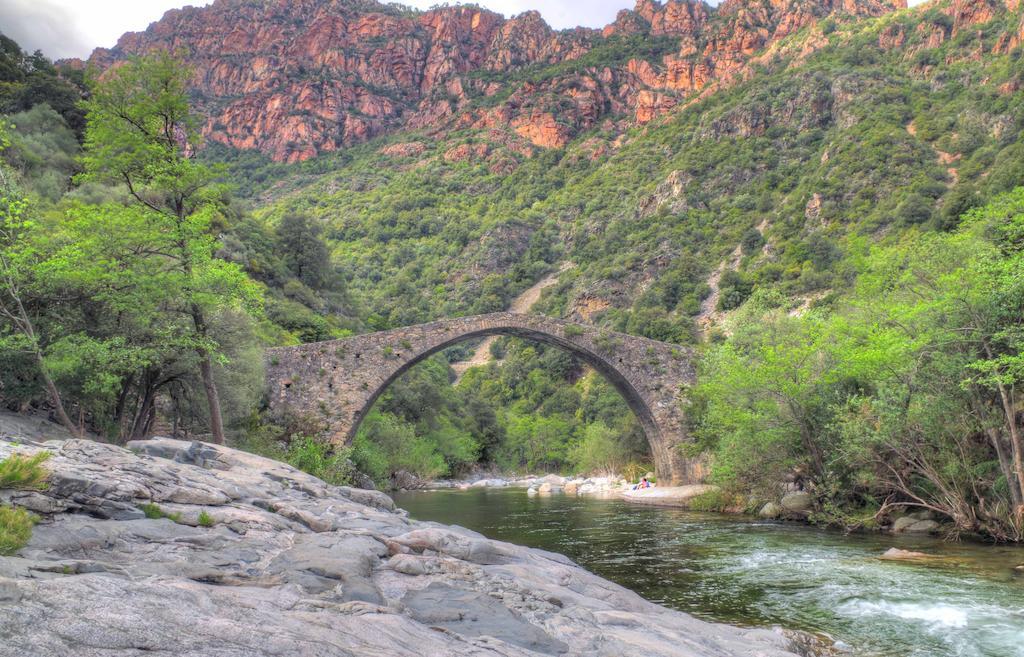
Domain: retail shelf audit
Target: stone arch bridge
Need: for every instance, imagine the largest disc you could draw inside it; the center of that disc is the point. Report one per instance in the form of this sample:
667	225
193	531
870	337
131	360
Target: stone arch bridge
338	381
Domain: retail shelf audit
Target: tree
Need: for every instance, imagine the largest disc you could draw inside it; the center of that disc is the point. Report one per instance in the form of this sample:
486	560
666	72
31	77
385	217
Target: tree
304	251
141	135
600	450
18	258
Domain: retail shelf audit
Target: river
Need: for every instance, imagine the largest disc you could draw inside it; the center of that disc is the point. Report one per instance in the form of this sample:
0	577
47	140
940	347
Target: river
758	573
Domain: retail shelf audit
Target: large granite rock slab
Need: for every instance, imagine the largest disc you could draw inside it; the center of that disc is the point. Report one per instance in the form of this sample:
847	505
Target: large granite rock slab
679	496
258	559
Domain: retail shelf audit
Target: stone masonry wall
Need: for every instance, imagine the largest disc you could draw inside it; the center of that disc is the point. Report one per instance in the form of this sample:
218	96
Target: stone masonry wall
337	382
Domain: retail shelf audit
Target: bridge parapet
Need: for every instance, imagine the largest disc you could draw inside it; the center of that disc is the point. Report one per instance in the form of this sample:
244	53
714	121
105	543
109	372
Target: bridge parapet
338	381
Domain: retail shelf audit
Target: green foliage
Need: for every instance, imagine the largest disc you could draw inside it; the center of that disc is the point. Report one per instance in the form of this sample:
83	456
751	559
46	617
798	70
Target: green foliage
205	519
321	460
31	80
716	501
43	151
154	512
24	472
386	444
900	395
600	450
15	529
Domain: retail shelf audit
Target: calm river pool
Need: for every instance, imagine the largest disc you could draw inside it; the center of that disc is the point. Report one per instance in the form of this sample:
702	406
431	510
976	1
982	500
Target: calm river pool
752	572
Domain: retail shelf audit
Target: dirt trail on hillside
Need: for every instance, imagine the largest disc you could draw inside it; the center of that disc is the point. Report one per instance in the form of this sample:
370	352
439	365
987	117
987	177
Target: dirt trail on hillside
709	314
521	304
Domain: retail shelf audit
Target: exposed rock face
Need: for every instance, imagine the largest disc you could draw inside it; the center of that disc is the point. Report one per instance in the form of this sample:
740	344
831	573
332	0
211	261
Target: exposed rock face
292	566
295	79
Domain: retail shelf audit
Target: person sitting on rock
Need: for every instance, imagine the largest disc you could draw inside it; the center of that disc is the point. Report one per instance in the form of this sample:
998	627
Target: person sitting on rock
643	484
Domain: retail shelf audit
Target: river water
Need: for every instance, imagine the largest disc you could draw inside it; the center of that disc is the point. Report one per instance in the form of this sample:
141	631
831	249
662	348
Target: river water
751	572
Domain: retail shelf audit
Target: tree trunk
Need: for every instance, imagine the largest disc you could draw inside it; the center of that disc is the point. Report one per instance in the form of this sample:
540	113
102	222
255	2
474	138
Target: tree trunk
1016	448
55	399
122	401
24	324
212	397
1015	440
1005	466
209	384
141	417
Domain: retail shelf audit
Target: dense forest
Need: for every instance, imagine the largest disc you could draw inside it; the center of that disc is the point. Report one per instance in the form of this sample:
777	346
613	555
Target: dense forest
839	235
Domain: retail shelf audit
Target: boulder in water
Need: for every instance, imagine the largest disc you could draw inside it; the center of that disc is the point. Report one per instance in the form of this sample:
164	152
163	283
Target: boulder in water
770	510
923	527
797	502
912	525
896	554
405	480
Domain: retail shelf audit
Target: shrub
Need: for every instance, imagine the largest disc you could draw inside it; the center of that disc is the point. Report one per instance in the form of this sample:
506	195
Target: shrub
154	512
24	472
633	471
599	451
321	460
715	501
205	519
15	529
573	331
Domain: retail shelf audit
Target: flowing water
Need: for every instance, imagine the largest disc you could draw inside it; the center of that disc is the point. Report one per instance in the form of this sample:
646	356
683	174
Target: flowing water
969	603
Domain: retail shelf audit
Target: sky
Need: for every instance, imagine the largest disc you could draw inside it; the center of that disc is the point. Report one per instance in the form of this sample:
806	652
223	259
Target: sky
72	28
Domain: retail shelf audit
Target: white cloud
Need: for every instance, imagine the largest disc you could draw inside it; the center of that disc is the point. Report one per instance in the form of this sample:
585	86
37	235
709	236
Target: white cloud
559	14
72	28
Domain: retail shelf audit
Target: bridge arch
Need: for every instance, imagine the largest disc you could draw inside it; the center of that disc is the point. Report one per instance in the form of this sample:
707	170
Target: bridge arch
339	381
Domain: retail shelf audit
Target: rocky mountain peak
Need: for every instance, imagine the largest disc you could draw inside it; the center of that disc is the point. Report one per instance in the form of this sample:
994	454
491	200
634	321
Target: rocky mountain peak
299	78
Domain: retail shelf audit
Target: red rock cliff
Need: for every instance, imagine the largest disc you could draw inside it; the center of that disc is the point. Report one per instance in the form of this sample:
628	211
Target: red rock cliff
295	78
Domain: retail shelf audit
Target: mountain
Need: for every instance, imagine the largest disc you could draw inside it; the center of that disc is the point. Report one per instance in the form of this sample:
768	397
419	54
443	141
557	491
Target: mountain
297	79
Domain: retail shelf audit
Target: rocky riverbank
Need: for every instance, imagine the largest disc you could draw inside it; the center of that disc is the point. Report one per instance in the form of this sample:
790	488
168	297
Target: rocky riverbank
193	549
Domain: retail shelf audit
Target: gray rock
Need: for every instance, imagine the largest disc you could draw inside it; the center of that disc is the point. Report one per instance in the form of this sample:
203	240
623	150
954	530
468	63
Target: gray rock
294	566
405	480
797	502
770	510
476	614
912	525
923	527
901	524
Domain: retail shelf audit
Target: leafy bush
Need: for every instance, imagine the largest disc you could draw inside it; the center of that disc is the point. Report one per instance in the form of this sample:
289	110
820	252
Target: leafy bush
24	472
716	501
15	529
154	512
322	460
601	450
205	519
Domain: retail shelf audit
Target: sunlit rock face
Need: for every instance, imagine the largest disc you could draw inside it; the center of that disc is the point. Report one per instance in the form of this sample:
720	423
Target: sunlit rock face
296	79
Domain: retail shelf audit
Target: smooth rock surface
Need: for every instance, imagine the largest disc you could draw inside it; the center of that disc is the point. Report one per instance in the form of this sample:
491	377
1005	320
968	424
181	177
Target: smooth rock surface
923	527
797	502
668	495
896	554
295	567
